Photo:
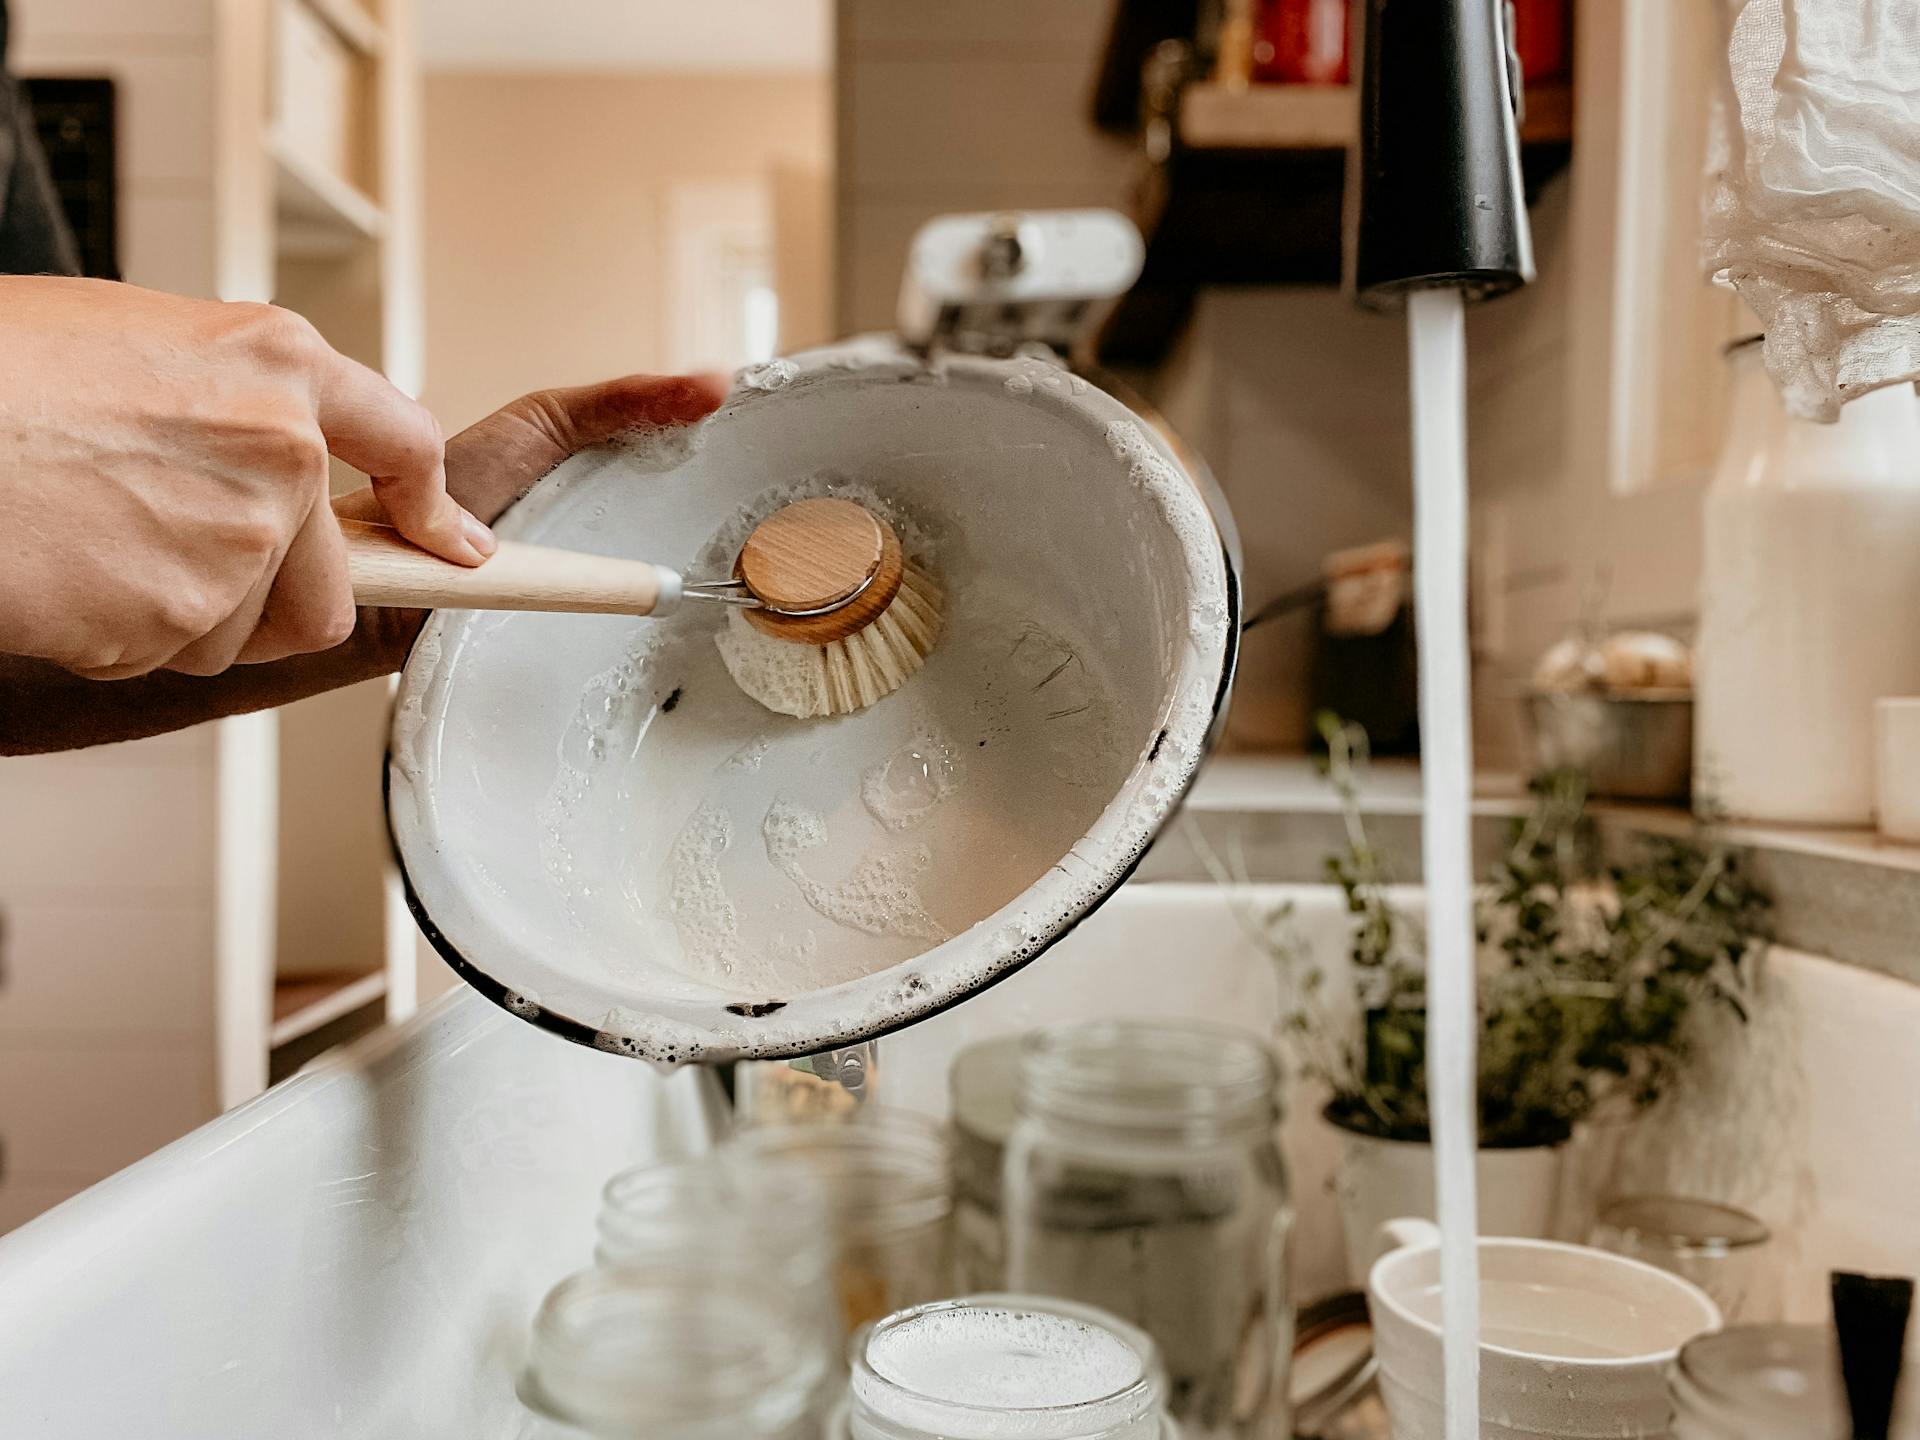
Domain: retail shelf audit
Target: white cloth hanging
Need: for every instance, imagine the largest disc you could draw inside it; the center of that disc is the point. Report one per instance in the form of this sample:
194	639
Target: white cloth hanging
1813	205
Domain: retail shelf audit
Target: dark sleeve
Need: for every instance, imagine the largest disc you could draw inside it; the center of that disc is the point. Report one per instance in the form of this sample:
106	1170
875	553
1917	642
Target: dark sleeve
34	239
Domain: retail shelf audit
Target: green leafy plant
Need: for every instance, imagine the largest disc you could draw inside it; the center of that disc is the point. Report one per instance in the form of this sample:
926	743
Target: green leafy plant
1590	971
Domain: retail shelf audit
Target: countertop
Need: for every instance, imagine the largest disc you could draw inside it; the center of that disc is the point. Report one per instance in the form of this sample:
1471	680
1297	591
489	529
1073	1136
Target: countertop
1847	893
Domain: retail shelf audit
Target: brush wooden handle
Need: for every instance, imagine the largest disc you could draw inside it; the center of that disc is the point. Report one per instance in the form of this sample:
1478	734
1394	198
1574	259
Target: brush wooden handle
387	569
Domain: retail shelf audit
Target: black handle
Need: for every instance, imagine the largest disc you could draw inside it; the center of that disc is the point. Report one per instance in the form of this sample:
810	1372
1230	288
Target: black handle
1439	199
1871	1312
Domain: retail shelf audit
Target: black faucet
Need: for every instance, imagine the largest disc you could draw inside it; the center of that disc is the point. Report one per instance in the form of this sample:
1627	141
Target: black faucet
1435	199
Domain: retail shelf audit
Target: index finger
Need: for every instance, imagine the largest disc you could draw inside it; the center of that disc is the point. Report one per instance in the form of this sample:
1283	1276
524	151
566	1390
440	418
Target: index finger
374	427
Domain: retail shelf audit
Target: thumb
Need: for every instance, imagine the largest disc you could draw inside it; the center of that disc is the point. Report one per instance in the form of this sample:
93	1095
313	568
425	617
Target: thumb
583	415
492	463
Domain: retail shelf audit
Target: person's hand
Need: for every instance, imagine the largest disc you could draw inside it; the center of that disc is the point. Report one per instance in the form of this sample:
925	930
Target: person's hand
494	462
488	466
163	479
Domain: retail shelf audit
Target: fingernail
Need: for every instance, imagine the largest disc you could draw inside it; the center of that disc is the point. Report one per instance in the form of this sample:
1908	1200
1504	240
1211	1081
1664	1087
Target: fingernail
478	535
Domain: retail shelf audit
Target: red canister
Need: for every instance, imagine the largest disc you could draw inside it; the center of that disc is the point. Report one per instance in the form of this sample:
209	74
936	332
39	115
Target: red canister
1301	42
1540	32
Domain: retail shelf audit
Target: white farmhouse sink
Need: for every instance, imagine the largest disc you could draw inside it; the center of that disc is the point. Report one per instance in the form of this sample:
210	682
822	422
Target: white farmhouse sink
357	1252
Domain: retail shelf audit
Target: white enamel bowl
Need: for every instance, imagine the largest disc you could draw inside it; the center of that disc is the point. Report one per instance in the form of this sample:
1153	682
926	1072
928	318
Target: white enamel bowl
603	835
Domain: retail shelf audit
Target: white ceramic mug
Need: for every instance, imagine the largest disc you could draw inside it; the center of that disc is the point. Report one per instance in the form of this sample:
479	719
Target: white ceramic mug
1575	1343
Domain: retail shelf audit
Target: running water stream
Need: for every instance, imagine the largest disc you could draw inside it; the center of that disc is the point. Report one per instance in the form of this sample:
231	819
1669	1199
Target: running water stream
1436	340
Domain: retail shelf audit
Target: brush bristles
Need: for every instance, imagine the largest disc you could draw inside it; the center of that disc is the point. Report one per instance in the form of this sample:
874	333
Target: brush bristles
815	680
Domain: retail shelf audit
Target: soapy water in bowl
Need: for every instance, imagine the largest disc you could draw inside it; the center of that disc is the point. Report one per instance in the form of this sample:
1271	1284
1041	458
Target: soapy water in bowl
704	845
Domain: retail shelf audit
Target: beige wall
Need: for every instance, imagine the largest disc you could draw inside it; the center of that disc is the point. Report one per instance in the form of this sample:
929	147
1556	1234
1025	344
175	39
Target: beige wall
545	204
1296	399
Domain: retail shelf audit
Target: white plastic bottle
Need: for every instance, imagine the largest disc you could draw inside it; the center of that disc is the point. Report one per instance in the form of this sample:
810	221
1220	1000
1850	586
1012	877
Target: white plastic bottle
1809	601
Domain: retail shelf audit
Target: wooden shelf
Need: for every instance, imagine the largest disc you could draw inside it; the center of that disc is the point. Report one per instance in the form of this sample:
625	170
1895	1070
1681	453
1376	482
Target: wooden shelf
1252	193
1269	117
1325	117
305	1004
320	214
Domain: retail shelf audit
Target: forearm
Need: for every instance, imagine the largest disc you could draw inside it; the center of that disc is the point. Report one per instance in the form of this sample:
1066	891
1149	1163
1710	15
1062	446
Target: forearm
44	708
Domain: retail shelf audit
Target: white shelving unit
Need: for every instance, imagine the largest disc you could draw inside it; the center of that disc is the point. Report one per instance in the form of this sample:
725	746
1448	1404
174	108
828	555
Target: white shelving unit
177	912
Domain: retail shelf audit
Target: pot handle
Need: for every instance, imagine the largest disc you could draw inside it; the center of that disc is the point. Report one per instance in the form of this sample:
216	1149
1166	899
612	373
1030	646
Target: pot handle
1403	1233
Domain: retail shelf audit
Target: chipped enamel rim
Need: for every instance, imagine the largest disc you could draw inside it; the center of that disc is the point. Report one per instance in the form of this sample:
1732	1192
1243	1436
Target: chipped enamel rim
680	1031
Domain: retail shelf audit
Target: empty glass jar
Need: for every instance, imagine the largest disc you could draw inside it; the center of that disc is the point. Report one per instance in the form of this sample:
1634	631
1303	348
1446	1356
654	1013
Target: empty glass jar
1718	1248
1143	1175
703	1349
982	1086
887	1186
721	1201
1760	1382
1004	1367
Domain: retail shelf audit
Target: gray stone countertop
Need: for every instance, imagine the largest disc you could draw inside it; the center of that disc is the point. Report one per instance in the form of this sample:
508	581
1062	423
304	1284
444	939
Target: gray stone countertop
1845	893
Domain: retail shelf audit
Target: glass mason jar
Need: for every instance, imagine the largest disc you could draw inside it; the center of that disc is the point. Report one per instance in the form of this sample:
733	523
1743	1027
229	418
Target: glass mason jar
1760	1382
982	1086
724	1202
1717	1247
703	1349
1144	1176
888	1191
1013	1366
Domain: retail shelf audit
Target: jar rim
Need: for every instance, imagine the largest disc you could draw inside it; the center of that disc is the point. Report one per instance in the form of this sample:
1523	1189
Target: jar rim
886	1172
1704	1363
653	1207
600	1352
1150	1074
1685	1222
1081	1419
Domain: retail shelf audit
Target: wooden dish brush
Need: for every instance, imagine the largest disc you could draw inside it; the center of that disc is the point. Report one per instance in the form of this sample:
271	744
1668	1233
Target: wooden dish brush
827	616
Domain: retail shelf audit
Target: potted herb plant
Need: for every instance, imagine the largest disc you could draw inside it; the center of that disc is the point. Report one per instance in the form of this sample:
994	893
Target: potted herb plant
1589	973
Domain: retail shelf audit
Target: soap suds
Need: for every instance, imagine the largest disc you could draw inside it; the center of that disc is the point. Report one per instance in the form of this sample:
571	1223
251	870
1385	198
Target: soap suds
880	897
901	790
656	449
697	898
985	1356
771	375
747	758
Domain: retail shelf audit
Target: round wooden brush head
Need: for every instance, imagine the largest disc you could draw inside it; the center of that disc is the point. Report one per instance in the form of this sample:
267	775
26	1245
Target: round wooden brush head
822	570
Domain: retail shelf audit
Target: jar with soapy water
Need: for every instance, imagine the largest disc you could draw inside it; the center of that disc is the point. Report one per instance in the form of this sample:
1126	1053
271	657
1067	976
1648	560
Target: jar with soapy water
1143	1175
1004	1367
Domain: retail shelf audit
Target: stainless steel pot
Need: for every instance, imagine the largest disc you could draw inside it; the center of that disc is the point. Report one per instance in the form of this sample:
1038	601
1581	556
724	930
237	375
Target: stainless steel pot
1632	747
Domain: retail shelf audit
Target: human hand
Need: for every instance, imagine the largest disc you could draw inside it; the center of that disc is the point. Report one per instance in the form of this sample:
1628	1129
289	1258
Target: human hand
163	479
495	461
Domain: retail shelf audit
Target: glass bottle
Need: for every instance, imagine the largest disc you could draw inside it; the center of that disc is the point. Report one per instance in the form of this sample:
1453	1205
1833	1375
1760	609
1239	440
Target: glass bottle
701	1349
888	1191
1144	1176
1809	577
1014	1366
